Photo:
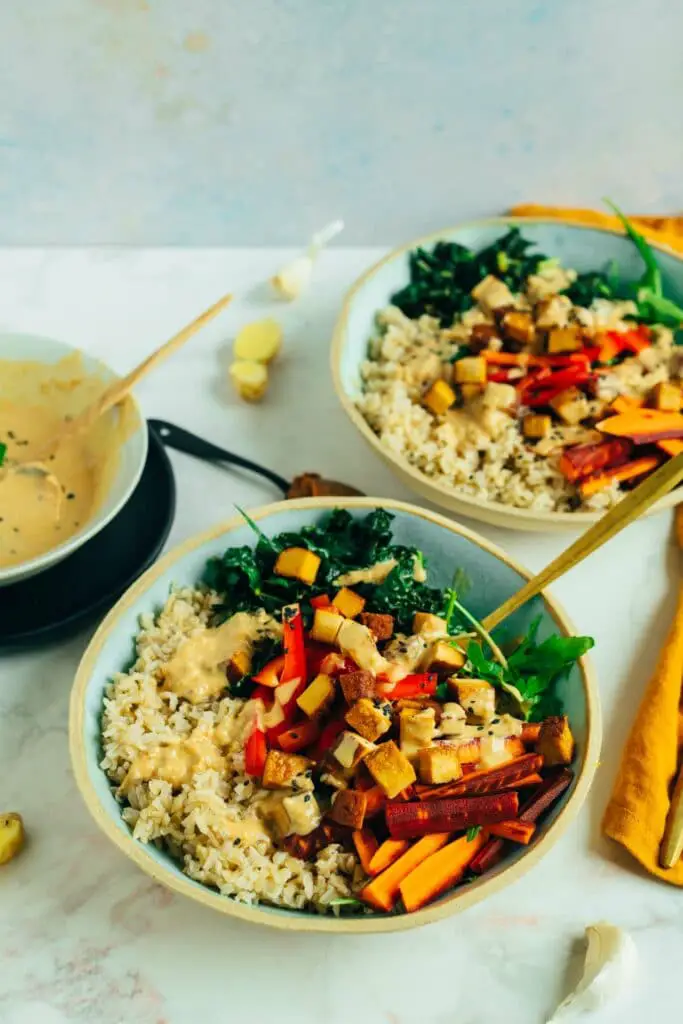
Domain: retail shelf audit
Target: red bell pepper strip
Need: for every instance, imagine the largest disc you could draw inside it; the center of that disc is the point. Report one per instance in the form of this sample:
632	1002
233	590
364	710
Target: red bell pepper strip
421	684
255	753
321	601
270	673
262	693
293	641
556	384
637	339
561	362
334	728
315	655
299	737
501	376
532	380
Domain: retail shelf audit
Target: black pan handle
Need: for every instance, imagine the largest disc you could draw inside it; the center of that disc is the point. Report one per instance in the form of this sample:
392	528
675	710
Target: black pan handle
184	441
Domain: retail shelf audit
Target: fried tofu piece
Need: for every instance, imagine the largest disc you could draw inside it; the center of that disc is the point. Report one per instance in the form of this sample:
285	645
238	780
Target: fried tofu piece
492	294
453	719
326	625
417	730
556	741
356	685
439	398
350	749
536	426
564	339
477	697
348	602
667	396
439	764
317	696
390	769
571	405
429	625
518	326
470	370
381	626
481	335
348	808
470	392
297	563
370	718
442	656
281	770
239	664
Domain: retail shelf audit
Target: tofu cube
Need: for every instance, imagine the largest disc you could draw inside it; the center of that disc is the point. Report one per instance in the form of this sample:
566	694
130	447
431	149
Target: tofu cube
429	625
477	696
470	370
518	326
492	294
564	339
326	625
556	742
349	603
417	730
537	426
470	392
453	719
282	769
443	656
356	685
571	406
666	396
381	626
317	696
239	665
348	808
439	764
370	718
390	769
481	335
439	398
350	749
298	564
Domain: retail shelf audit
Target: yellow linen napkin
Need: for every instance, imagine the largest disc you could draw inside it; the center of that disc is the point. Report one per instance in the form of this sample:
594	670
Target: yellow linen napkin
636	813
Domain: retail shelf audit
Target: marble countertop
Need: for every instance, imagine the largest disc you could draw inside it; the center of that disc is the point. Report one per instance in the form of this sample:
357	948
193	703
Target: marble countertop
84	936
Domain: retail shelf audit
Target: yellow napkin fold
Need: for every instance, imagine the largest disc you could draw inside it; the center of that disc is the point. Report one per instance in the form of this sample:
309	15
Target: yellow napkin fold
636	813
665	229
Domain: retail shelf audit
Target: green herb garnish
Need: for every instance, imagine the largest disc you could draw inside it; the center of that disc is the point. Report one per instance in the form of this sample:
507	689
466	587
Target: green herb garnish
3	452
472	833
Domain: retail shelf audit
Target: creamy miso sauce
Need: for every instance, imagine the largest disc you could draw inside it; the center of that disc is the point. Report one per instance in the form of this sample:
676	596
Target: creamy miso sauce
196	671
41	509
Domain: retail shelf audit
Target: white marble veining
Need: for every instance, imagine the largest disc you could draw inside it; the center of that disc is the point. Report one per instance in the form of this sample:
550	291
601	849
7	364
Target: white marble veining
84	936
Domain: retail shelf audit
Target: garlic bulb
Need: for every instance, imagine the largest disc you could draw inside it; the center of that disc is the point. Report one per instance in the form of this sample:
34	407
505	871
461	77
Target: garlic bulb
295	276
609	966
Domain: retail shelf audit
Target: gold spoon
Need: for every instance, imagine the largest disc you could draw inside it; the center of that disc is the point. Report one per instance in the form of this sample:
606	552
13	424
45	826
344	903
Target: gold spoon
623	514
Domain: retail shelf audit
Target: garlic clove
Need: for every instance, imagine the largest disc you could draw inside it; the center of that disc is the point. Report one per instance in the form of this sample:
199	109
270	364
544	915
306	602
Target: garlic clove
295	277
610	963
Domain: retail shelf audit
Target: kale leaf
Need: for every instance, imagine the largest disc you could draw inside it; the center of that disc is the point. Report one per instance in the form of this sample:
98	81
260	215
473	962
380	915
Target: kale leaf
3	452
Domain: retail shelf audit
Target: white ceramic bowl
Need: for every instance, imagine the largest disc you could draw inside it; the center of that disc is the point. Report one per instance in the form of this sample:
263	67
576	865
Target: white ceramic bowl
494	577
578	247
29	347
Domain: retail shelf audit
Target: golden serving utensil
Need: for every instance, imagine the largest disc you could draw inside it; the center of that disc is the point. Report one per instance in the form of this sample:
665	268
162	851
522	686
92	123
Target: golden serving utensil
672	843
623	514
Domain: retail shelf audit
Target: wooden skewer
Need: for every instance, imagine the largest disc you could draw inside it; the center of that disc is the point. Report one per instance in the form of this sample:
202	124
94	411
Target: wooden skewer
623	514
118	390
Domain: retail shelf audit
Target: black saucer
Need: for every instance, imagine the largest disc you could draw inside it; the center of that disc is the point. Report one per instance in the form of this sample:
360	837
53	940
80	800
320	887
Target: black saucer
56	603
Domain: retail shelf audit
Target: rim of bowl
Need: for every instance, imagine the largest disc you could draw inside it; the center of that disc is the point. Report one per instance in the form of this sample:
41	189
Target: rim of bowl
98	521
442	493
453	903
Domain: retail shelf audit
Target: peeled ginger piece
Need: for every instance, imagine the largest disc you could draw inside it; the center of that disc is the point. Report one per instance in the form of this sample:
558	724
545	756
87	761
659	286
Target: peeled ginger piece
250	379
11	836
258	342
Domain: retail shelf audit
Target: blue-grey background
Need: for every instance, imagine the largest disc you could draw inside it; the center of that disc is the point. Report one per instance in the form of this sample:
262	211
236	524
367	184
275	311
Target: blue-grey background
255	121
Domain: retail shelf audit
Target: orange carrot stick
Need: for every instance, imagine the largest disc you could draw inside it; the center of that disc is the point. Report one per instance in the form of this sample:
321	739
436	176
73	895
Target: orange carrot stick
440	871
486	780
593	484
672	446
517	831
626	403
382	891
388	852
366	844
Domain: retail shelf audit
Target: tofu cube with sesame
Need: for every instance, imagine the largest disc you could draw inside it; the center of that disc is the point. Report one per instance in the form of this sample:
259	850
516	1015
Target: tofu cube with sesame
556	742
477	697
298	564
417	730
317	696
536	426
326	625
348	602
470	370
492	294
356	685
350	749
370	718
453	719
564	339
390	769
281	770
443	656
439	398
571	405
439	764
348	808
